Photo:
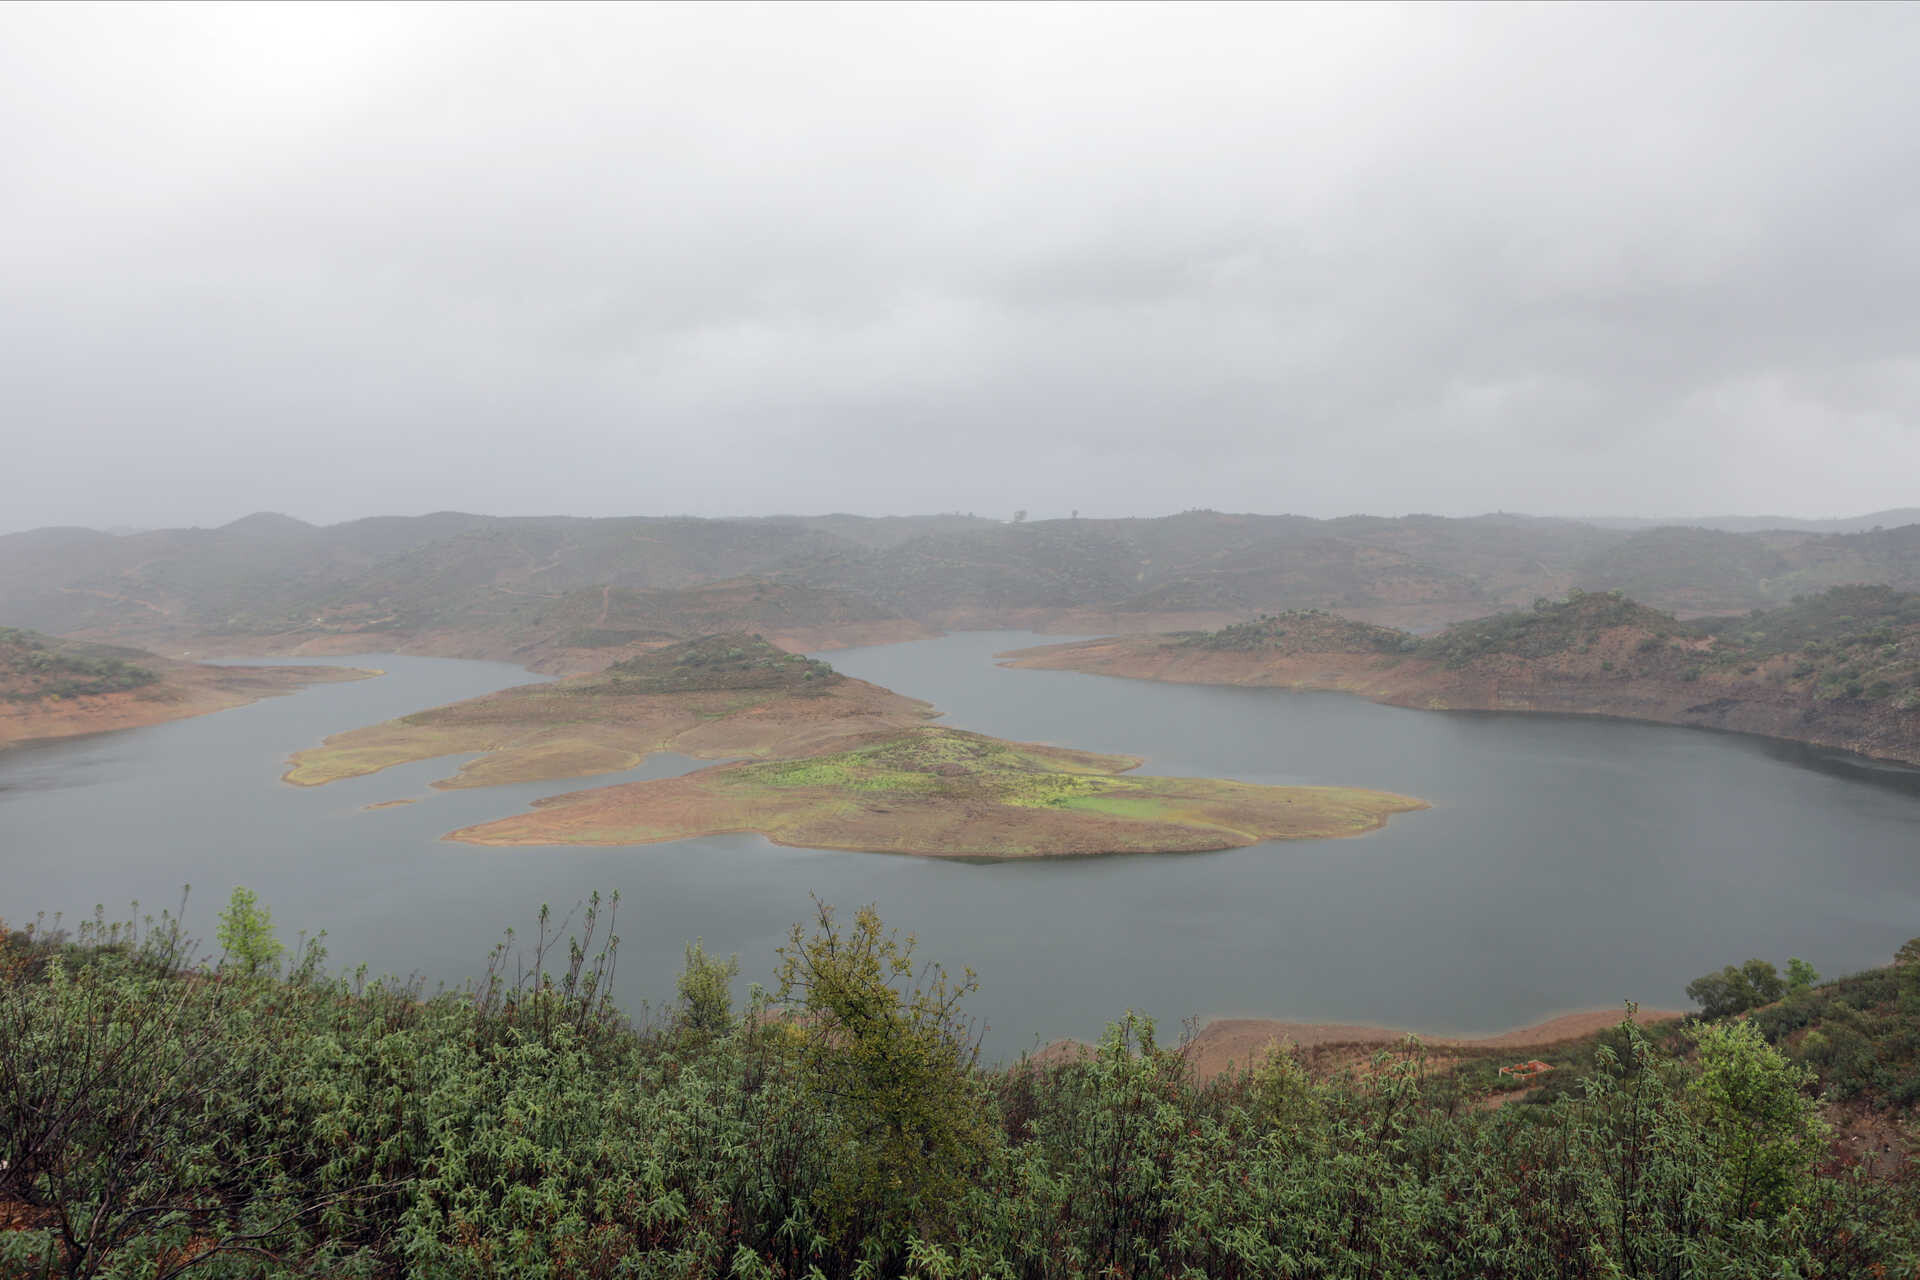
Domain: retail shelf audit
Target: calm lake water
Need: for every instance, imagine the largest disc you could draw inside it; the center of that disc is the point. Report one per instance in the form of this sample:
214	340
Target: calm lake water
1565	863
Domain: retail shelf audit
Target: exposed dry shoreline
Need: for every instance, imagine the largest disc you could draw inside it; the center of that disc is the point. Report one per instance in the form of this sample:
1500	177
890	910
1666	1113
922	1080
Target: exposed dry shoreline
1565	685
185	689
1224	1044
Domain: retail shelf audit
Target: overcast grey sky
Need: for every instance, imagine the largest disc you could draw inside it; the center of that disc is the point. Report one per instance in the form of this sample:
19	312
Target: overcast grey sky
348	260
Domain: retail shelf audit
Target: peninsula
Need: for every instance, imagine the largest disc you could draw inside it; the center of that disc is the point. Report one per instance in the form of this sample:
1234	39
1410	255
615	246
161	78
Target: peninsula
832	763
56	688
1840	669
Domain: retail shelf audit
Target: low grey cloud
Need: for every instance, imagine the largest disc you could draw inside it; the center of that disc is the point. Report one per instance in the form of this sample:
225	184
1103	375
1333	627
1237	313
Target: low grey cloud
341	261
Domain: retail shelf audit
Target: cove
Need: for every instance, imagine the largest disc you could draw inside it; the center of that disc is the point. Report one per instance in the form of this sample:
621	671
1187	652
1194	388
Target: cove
1567	862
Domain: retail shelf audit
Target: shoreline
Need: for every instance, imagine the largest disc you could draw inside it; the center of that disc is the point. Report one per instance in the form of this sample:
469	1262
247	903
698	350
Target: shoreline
461	836
1224	1043
186	691
1384	682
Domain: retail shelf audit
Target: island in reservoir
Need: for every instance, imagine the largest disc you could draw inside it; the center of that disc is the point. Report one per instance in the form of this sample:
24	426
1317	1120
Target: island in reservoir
829	762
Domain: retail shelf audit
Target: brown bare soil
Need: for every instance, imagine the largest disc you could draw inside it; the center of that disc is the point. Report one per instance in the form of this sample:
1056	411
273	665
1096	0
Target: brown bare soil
1875	1142
1236	1043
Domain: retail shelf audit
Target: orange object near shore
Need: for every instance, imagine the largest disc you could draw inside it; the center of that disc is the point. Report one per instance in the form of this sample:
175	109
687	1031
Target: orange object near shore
1526	1069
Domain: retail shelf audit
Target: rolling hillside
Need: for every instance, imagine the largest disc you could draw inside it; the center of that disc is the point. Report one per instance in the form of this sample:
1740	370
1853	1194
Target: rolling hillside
534	588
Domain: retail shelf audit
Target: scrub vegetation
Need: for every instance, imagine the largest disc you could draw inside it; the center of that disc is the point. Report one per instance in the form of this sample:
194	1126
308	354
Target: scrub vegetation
1300	631
33	666
1550	628
161	1115
1840	668
714	662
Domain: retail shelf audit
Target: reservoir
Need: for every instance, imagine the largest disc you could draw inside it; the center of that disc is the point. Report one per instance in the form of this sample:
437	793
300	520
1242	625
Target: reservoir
1566	862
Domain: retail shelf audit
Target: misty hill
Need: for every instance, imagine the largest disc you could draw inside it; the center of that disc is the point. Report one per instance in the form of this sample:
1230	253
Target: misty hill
609	617
1548	629
1705	571
1854	644
1889	519
488	586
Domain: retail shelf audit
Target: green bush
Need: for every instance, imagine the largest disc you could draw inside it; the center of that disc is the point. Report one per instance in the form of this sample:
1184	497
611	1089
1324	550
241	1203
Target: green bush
156	1115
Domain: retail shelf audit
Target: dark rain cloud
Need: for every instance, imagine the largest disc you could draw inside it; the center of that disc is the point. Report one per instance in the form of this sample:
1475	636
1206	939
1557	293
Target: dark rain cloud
346	260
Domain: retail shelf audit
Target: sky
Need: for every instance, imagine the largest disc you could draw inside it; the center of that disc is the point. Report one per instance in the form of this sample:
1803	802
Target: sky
340	261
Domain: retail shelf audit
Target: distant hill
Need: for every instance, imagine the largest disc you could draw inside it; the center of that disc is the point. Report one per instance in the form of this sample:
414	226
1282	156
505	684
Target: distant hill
476	585
1889	519
1706	571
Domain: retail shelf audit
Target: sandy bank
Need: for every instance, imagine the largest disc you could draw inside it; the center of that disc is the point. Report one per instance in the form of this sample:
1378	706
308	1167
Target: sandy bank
1226	1043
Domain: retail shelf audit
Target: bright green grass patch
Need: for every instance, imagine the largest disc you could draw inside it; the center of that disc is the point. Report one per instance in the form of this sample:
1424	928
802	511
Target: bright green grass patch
1139	808
832	772
1057	790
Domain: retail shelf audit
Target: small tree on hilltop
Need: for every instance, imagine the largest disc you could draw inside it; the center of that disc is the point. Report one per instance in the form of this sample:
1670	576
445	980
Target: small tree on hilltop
246	934
1765	980
1736	989
1721	994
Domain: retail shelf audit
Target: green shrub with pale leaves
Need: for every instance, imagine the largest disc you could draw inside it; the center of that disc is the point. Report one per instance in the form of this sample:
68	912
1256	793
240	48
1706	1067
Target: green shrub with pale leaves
306	1126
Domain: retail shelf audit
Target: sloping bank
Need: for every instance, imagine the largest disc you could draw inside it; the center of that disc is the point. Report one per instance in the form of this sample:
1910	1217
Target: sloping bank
1852	683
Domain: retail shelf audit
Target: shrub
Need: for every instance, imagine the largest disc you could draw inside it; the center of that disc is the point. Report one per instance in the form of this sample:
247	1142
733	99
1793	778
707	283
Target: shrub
246	934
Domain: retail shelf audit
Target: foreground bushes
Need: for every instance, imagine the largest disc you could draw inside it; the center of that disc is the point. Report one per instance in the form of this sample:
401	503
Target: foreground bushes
157	1118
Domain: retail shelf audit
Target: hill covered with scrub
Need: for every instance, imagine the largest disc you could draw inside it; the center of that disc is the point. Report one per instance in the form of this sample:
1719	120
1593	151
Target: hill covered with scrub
160	1115
1839	669
566	595
55	688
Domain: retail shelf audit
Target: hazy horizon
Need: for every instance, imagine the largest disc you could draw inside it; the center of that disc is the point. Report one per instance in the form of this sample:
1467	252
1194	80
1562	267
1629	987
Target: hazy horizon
1030	517
722	261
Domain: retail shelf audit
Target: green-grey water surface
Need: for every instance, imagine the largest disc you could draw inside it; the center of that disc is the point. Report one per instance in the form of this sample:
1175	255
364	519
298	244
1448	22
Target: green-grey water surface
1566	862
